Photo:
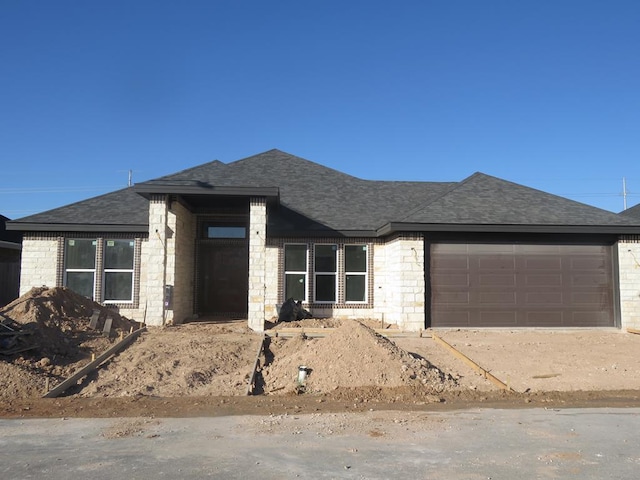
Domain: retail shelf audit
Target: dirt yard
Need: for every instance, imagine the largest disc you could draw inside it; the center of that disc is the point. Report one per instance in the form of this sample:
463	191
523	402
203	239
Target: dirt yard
205	368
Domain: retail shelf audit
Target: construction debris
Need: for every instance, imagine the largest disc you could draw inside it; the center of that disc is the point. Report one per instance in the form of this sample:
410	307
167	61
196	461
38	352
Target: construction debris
14	337
291	311
48	334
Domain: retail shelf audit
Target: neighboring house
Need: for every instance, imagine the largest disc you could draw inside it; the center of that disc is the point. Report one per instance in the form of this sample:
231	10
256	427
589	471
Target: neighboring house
238	239
10	246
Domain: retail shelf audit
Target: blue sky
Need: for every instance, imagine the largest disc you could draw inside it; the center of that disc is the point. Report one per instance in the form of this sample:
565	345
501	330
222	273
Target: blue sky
542	93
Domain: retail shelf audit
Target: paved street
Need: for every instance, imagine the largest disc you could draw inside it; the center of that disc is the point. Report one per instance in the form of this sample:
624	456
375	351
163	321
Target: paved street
470	444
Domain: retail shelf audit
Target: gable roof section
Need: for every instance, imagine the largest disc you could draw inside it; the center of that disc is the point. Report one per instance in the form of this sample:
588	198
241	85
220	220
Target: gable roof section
485	203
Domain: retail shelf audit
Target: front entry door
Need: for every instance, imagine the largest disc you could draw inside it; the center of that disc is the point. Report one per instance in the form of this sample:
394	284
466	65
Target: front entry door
223	278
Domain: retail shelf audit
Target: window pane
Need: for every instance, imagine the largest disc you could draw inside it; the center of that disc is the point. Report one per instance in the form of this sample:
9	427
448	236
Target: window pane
355	288
81	253
118	286
325	260
295	258
81	283
295	286
118	254
325	288
355	258
226	232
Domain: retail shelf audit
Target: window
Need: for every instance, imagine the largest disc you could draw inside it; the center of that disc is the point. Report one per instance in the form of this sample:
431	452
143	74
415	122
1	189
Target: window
102	270
220	231
325	273
295	272
334	273
118	271
80	266
355	273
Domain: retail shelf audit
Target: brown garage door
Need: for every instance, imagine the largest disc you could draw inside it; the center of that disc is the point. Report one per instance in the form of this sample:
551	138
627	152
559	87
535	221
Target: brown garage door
489	285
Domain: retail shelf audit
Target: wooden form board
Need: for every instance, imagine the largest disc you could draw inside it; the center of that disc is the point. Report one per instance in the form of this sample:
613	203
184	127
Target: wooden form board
73	380
323	332
496	381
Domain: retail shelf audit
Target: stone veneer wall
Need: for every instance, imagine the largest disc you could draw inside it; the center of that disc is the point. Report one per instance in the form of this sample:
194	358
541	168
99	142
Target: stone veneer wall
272	274
183	224
39	262
629	281
403	284
154	262
257	263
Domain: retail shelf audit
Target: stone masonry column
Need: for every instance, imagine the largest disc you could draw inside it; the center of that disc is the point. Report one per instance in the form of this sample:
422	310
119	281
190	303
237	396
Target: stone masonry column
405	283
156	260
629	281
257	262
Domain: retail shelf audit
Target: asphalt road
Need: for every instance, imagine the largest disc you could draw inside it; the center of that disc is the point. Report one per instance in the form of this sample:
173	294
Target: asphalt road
470	444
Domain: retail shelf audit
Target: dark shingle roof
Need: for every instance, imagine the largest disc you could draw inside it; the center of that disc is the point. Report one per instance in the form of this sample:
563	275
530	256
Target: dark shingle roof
483	199
331	198
123	209
633	212
314	197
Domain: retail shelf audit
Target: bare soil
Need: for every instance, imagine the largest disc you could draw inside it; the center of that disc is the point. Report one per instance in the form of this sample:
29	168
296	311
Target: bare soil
205	368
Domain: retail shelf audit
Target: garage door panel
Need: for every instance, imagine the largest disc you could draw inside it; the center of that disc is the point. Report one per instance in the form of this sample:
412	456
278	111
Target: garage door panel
591	319
544	298
497	298
453	280
494	262
592	263
452	298
536	280
451	263
582	280
544	318
542	263
497	279
498	318
459	319
594	298
522	286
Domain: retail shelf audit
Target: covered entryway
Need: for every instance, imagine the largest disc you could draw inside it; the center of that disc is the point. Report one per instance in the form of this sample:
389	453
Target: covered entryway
507	285
222	258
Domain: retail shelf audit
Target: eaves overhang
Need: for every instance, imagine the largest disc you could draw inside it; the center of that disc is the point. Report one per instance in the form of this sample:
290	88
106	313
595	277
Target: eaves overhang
199	188
395	227
10	245
76	227
322	233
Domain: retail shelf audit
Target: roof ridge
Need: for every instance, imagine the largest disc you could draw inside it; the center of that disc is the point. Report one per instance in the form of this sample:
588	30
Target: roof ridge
297	157
442	195
188	169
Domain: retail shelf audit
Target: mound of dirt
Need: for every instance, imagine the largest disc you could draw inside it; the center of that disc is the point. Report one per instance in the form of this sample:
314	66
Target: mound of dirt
60	319
59	339
331	323
180	360
353	355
